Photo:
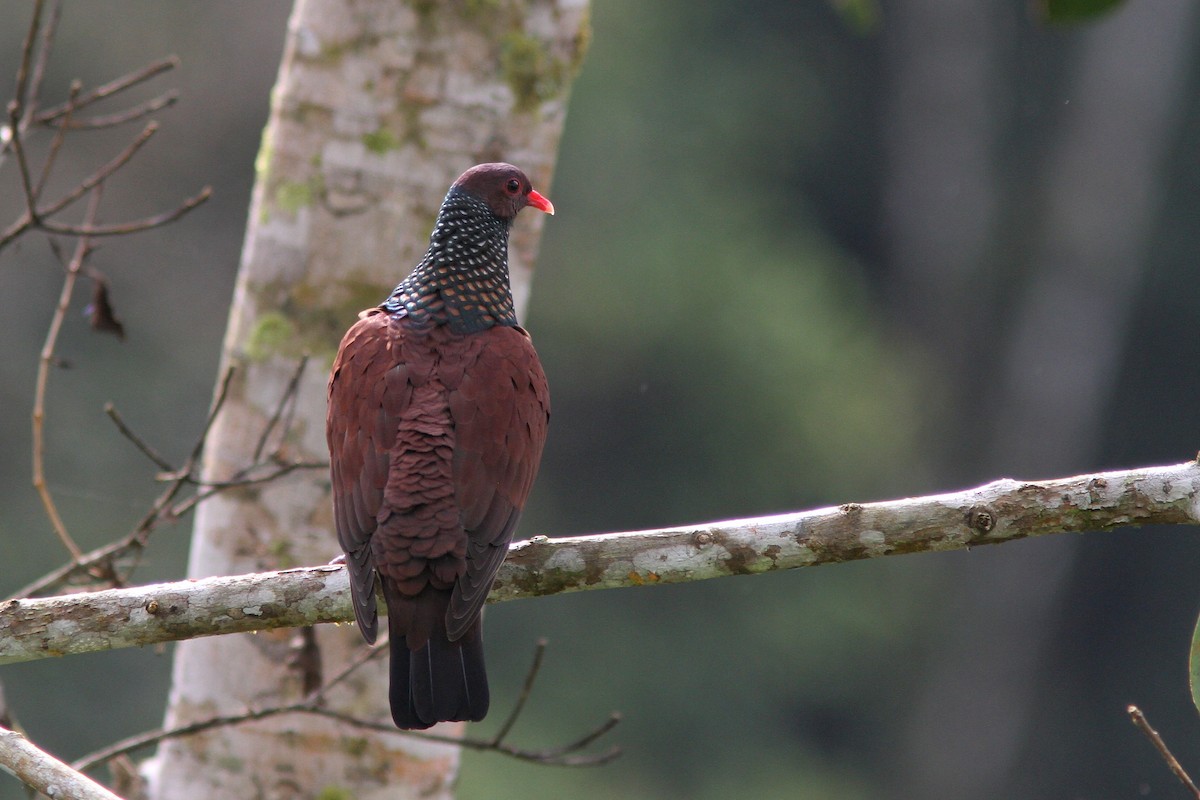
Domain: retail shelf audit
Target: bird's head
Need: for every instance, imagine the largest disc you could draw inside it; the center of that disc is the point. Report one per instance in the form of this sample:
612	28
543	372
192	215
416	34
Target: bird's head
504	188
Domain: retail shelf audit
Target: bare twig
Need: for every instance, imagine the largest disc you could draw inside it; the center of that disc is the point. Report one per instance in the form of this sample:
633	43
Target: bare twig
365	656
14	122
281	419
45	364
566	755
49	30
143	109
32	216
214	411
277	470
97	563
20	114
111	88
119	160
286	405
60	135
251	475
216	487
35	24
1142	724
102	562
9	132
133	226
134	743
23	112
539	652
141	444
136	540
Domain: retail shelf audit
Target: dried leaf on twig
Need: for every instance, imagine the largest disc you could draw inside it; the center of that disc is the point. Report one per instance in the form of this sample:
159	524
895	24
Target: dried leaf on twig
100	311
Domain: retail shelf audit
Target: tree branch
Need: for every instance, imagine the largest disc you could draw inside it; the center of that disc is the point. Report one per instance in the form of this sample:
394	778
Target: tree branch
567	755
997	512
45	364
151	70
1142	724
101	565
45	773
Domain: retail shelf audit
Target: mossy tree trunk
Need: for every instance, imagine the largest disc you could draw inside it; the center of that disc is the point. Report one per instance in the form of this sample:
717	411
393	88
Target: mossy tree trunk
379	105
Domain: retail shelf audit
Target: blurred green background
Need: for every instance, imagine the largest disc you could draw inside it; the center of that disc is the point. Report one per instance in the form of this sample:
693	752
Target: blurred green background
800	259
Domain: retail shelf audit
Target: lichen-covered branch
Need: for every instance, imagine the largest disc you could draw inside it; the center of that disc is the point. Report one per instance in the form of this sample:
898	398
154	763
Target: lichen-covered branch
997	512
45	773
114	618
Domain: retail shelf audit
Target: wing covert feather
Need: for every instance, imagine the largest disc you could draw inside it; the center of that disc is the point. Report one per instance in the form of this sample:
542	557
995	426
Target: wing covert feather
360	427
501	410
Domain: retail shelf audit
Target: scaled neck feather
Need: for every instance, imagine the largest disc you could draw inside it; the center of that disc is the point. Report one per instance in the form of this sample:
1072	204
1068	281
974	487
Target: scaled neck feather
462	282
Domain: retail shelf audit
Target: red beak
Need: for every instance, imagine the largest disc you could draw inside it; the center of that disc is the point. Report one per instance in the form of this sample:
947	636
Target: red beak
540	202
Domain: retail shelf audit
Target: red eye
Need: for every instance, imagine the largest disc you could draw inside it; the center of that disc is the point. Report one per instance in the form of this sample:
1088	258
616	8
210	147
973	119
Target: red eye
513	186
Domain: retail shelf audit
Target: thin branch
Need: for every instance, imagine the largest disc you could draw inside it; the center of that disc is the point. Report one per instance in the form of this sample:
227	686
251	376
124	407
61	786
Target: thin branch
210	488
18	146
133	226
45	364
131	114
214	411
44	773
49	31
365	656
35	24
285	405
539	652
136	540
557	756
565	755
33	215
9	132
997	512
98	562
115	163
141	444
102	561
60	134
134	743
101	564
36	216
151	70
1142	724
278	470
281	418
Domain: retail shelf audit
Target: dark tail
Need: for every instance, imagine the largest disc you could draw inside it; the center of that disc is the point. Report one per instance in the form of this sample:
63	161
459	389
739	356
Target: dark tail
441	681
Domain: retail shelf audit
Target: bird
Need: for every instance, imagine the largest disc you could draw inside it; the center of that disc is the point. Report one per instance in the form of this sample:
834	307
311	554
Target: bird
438	412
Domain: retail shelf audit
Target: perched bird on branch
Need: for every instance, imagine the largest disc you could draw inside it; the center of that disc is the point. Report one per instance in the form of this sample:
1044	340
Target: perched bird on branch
438	409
